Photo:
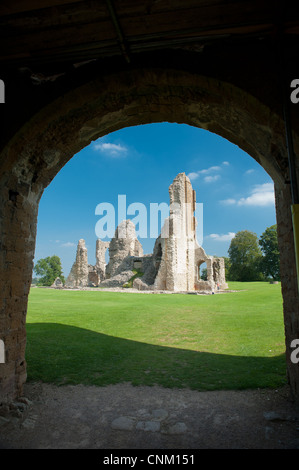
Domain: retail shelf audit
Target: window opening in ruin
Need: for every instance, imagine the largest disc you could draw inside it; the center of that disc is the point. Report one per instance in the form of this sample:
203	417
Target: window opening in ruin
202	272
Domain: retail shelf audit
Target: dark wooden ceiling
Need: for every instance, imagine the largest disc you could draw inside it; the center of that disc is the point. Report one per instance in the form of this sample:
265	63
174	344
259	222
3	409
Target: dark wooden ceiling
49	35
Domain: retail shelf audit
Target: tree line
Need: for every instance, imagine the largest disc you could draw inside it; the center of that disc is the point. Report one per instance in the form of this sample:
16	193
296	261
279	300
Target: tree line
253	259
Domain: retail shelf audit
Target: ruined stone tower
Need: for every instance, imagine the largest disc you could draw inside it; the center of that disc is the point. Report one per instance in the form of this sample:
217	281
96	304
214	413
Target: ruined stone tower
178	239
78	276
181	255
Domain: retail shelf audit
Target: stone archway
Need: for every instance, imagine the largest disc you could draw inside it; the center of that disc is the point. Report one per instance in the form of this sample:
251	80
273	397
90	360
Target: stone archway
100	105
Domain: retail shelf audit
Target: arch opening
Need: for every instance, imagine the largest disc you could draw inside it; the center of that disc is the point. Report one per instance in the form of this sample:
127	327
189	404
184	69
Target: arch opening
158	247
114	102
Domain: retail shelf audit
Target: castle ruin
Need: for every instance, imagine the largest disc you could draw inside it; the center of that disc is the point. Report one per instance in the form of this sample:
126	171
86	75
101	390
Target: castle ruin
174	264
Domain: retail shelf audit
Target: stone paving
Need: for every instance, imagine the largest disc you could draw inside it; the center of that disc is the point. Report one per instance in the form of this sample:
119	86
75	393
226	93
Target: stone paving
126	417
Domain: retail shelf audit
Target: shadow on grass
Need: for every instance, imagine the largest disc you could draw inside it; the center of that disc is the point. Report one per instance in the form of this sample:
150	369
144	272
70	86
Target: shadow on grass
63	354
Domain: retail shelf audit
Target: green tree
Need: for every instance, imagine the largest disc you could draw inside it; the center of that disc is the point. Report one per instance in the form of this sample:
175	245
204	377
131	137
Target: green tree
245	257
204	274
47	269
270	263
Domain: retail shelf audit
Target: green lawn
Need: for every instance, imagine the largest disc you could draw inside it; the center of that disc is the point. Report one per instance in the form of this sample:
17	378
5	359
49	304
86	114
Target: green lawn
223	341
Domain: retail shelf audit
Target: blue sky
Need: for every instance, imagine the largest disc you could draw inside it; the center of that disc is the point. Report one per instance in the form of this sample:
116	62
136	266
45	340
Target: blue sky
141	162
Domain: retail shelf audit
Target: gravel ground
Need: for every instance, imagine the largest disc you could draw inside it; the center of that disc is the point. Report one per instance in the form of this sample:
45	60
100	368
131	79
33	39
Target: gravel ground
126	417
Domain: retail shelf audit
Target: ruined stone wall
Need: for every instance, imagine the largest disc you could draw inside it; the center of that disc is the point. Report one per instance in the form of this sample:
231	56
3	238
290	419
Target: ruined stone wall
219	273
78	276
101	248
123	245
93	277
181	253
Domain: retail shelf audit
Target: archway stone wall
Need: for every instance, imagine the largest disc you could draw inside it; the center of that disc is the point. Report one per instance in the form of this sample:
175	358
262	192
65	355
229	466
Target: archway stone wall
36	153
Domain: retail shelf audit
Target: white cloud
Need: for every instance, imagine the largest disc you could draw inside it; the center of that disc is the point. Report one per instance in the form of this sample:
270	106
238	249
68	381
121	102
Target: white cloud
261	195
113	150
228	202
68	244
193	176
248	172
207	173
222	238
211	179
209	170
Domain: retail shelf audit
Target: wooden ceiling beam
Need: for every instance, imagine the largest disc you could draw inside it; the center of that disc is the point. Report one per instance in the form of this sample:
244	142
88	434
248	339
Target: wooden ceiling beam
123	45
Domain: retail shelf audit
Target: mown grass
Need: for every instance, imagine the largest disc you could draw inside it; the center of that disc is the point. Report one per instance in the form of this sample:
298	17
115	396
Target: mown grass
223	341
